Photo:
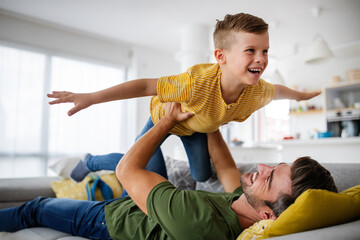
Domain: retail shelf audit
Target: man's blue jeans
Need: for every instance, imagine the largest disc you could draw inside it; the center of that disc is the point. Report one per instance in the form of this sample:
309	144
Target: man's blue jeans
80	218
195	146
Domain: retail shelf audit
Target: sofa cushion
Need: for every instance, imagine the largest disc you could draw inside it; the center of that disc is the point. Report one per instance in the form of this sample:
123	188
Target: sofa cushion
345	175
179	174
63	166
69	189
316	209
255	231
37	233
346	231
15	191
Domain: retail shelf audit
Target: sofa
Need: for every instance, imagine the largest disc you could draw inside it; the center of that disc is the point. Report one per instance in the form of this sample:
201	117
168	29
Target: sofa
14	192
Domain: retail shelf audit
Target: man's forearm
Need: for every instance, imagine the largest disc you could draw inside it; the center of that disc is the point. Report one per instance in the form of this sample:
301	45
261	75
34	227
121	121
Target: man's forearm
131	170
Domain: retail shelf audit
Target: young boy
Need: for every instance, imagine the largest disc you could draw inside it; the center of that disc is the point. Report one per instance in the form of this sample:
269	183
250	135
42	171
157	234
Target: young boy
230	90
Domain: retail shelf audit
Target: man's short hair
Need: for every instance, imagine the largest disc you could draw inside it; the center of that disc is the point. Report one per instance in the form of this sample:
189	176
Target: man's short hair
306	173
224	30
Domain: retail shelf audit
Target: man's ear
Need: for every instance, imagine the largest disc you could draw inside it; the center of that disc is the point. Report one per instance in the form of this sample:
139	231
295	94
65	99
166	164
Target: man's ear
220	56
267	214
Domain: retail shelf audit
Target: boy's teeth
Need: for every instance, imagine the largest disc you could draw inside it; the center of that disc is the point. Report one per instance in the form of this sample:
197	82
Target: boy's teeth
255	70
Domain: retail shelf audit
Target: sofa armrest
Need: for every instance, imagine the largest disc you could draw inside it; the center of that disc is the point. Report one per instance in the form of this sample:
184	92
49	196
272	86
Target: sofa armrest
14	192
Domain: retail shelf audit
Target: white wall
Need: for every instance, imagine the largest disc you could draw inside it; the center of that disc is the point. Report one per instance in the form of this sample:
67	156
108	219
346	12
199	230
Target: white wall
58	40
317	75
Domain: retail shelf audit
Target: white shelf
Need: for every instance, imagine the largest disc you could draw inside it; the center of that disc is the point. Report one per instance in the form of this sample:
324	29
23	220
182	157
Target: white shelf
322	141
300	142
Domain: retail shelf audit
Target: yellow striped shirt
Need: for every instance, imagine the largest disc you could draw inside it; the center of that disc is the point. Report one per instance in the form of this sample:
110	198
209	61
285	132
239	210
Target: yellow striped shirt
199	91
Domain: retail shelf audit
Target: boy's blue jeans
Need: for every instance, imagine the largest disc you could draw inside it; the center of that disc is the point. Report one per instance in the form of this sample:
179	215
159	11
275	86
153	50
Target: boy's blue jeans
80	218
195	146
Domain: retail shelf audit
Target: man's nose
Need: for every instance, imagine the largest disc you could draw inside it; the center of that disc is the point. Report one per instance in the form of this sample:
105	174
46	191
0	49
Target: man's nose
264	169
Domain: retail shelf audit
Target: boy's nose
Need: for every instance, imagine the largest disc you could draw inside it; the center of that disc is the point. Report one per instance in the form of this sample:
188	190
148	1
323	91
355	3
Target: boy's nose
260	58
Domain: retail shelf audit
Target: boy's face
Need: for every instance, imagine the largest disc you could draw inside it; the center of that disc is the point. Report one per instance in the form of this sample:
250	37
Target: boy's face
247	58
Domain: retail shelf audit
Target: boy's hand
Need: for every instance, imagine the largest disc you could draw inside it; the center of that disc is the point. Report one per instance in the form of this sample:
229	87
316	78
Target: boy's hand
80	100
173	112
308	95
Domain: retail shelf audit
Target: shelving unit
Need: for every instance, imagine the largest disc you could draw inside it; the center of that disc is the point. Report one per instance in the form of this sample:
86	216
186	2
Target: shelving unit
308	112
341	114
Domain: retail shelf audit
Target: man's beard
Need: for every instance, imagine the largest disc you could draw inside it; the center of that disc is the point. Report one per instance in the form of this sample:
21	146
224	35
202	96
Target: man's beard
251	198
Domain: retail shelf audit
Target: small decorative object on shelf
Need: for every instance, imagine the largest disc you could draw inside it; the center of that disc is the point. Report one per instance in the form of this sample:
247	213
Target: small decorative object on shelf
353	74
312	110
237	142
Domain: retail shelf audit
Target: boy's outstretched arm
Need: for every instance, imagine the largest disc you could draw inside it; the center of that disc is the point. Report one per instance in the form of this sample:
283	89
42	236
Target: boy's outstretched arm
131	171
130	89
282	92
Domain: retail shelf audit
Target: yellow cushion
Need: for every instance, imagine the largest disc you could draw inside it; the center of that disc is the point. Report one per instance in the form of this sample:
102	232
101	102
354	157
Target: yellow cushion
255	231
69	189
316	209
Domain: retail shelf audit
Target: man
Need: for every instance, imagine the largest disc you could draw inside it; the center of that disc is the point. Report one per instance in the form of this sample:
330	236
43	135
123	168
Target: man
158	210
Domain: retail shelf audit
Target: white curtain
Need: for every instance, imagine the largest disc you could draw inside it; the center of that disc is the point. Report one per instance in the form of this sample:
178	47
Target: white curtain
31	131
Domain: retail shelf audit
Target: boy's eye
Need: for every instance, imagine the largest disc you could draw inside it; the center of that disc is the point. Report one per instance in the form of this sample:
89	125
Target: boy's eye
250	50
265	51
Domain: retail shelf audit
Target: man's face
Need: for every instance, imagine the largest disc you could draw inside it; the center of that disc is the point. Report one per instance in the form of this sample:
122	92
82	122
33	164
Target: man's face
266	184
247	59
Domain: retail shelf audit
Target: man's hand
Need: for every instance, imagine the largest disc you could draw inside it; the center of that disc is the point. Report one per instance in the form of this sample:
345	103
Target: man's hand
174	114
80	100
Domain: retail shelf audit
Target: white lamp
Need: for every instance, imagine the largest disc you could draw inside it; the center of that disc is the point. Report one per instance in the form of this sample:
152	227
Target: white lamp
318	51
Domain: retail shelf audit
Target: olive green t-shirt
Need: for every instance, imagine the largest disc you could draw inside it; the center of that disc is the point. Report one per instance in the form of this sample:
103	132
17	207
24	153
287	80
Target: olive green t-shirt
175	214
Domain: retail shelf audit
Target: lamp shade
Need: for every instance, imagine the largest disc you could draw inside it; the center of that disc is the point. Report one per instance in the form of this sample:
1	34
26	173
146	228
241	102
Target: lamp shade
319	50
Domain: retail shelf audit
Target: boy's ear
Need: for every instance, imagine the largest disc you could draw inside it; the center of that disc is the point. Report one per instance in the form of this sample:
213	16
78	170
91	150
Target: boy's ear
267	214
220	56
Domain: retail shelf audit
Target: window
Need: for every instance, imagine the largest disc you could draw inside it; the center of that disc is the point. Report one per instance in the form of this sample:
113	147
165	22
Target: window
32	132
271	123
275	121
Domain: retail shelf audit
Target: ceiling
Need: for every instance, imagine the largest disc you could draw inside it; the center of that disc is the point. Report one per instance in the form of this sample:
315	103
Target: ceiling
158	23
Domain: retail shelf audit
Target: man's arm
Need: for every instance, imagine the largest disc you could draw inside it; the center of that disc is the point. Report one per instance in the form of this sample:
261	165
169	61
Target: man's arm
131	171
130	89
224	164
282	92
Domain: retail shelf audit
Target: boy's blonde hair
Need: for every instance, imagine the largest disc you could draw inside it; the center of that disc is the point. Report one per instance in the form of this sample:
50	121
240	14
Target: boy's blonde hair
223	34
